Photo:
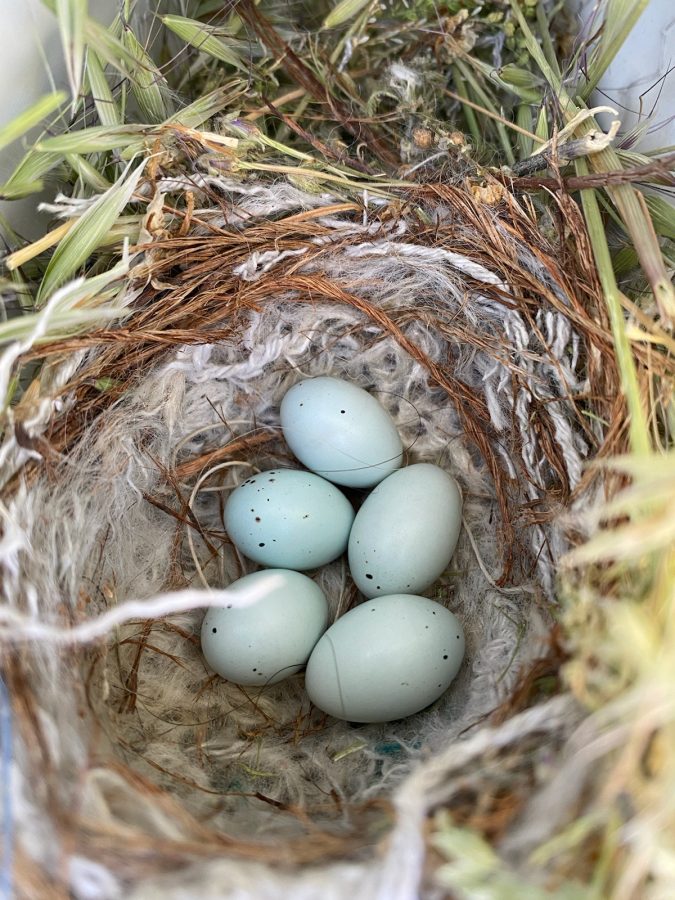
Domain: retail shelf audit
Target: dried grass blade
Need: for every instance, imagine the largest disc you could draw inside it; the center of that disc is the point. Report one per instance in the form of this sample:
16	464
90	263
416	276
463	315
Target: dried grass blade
635	215
25	254
647	503
88	233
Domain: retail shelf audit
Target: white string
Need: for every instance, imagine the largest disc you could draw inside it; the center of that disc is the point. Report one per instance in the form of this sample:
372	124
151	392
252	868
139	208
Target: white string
17	628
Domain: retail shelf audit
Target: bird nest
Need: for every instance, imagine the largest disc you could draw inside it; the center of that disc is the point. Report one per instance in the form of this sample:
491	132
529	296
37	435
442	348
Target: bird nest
483	331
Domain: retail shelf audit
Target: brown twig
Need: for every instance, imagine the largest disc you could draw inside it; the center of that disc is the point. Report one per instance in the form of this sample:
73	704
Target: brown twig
660	169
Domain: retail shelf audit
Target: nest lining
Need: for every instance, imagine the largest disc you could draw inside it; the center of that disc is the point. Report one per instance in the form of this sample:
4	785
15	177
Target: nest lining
474	337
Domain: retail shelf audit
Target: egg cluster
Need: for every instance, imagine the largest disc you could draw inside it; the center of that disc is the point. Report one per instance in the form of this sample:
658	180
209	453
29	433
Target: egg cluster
393	654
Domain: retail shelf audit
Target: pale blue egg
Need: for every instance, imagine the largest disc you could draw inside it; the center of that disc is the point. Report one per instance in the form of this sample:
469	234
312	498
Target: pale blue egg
388	658
272	636
405	533
289	519
340	431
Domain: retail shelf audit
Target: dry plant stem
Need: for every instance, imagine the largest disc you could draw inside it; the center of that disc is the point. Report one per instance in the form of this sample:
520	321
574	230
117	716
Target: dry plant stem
25	254
495	116
660	170
304	77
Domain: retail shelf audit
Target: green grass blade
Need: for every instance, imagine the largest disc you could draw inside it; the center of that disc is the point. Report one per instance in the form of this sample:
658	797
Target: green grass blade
202	38
343	12
87	173
639	432
72	18
109	48
663	215
518	81
92	140
524	120
27	178
106	107
30	117
619	19
469	113
546	40
88	233
86	302
627	200
541	127
483	98
61	324
147	82
204	108
533	47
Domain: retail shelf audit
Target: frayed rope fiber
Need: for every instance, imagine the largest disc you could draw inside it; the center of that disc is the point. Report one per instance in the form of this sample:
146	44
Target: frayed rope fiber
470	329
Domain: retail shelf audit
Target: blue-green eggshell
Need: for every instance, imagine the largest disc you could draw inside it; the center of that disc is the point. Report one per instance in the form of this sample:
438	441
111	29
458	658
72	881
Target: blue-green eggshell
340	431
388	658
270	638
406	531
289	519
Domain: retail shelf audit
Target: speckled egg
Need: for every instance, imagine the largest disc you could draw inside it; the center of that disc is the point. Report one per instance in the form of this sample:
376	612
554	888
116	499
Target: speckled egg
340	431
405	533
388	658
289	519
272	636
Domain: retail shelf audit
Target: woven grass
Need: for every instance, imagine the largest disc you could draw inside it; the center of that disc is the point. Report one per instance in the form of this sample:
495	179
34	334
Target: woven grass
413	117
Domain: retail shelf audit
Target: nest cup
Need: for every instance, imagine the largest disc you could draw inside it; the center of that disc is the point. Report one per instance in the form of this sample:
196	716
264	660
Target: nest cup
139	771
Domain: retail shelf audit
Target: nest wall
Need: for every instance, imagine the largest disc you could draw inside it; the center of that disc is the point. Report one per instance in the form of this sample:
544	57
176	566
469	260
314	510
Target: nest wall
486	341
